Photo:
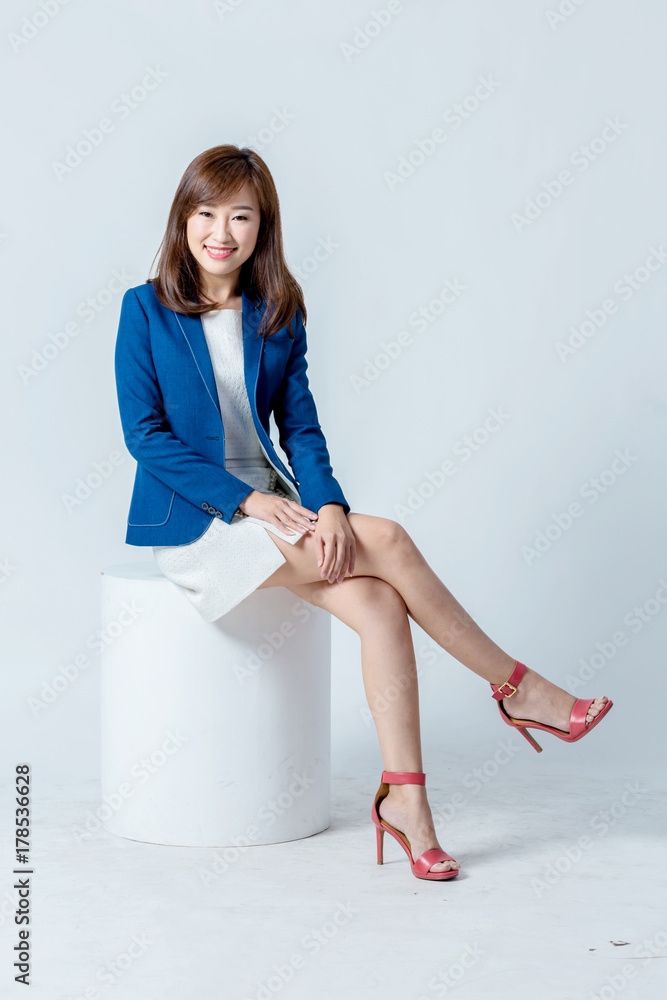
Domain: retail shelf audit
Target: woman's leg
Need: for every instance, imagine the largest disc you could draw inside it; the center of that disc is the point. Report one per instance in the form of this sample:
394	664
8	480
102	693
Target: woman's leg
377	613
385	550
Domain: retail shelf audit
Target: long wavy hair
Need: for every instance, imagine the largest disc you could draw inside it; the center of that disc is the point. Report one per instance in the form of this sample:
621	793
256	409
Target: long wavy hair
216	175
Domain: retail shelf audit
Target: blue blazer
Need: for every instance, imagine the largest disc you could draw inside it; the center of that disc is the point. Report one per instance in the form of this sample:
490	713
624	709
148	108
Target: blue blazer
172	424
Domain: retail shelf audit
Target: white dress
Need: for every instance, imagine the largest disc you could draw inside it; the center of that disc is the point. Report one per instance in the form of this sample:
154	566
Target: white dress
229	561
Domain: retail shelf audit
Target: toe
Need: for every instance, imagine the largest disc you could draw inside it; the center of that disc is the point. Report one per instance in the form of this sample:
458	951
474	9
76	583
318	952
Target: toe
596	708
444	866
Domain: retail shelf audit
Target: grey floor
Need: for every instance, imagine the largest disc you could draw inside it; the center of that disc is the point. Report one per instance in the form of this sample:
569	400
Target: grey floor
561	895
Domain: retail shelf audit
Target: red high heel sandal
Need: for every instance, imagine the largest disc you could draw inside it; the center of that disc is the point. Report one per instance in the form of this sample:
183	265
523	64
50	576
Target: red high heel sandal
578	726
420	867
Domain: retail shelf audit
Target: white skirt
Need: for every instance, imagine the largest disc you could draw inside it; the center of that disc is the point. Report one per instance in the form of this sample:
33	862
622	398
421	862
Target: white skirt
230	560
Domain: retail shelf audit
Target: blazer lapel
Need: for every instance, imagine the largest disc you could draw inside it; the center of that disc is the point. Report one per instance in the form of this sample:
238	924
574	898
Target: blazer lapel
193	331
252	349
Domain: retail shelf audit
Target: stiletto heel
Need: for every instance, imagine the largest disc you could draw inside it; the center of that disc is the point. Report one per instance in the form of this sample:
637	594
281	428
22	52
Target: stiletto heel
380	843
531	740
420	867
578	725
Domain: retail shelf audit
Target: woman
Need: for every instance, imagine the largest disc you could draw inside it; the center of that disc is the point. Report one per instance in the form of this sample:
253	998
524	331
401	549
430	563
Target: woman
206	351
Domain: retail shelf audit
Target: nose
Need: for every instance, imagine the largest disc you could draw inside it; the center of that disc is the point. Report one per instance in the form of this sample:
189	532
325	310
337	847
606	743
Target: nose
221	233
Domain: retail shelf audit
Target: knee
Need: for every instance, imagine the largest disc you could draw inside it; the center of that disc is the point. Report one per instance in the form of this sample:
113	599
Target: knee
391	533
380	597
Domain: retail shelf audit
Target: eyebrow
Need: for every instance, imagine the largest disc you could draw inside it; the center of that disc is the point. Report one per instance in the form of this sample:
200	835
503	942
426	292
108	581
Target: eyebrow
235	208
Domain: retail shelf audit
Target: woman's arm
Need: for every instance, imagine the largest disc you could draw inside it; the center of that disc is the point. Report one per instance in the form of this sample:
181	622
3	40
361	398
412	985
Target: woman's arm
300	434
303	442
147	435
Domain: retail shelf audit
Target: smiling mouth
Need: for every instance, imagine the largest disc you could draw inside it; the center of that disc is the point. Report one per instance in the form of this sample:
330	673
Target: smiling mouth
219	252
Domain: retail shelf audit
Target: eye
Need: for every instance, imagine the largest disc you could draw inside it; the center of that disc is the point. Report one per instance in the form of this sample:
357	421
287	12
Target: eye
244	217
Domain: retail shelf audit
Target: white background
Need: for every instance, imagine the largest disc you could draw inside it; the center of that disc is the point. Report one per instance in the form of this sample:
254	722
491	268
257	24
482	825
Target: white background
352	116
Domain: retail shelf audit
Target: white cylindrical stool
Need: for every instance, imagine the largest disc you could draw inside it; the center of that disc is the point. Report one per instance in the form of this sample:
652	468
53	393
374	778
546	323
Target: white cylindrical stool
213	734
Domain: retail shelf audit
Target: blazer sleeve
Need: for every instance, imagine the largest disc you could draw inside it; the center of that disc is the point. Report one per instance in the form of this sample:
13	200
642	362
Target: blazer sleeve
145	428
300	434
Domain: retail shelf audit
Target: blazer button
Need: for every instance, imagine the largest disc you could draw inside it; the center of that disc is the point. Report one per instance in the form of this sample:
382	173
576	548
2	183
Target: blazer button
218	514
205	505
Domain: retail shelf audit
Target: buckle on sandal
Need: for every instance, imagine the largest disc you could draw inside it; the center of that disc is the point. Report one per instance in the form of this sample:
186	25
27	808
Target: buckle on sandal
506	694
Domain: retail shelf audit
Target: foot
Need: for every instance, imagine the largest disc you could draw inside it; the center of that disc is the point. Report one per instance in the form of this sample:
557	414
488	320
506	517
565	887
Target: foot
406	807
538	700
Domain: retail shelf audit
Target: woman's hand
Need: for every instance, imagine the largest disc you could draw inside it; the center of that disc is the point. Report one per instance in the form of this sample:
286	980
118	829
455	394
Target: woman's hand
287	515
334	542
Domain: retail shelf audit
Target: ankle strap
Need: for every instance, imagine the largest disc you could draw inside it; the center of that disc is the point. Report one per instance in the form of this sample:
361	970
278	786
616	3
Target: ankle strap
511	683
404	777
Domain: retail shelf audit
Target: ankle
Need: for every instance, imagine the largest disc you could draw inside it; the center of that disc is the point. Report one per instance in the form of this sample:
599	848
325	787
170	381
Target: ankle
408	794
503	672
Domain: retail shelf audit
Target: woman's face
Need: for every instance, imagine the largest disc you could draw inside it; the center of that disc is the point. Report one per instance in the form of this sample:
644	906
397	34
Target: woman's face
222	236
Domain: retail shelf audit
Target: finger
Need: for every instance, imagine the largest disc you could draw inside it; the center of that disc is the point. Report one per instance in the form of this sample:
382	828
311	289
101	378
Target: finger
341	562
286	528
353	556
329	555
345	568
311	514
282	520
294	516
281	516
291	527
334	564
303	526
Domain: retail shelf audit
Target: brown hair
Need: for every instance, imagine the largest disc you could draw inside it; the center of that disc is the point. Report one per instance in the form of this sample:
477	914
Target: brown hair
216	175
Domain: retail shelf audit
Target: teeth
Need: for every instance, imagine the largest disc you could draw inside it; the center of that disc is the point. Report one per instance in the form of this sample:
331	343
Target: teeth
220	253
